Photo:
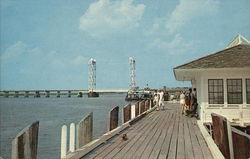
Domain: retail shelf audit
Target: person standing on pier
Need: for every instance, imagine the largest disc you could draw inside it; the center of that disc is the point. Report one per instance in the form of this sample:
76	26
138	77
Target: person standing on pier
161	104
182	102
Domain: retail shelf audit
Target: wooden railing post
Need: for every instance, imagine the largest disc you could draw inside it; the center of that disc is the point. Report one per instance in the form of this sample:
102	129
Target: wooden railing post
24	145
64	142
151	103
147	105
72	138
241	144
133	111
137	109
85	130
142	107
126	113
113	118
220	134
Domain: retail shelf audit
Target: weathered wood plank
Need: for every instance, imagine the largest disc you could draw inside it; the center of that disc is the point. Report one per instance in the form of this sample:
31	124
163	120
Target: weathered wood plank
181	144
138	147
150	138
24	145
126	113
85	130
161	134
157	148
195	144
206	153
241	146
121	150
173	144
147	105
113	118
142	107
118	144
129	151
166	144
189	154
220	134
137	109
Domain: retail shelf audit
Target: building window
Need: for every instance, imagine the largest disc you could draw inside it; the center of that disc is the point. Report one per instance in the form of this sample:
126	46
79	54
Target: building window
234	91
248	90
215	91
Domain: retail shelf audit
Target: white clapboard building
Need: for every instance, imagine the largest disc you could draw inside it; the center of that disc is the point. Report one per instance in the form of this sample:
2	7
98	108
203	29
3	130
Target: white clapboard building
222	81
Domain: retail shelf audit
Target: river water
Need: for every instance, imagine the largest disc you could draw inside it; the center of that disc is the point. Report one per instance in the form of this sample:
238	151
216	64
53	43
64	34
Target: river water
52	113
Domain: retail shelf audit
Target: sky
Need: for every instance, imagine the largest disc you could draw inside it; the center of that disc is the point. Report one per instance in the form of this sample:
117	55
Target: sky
46	44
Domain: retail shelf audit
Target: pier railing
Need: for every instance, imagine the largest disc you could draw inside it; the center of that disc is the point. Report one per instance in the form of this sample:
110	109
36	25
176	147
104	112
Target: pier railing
84	137
233	143
24	145
81	142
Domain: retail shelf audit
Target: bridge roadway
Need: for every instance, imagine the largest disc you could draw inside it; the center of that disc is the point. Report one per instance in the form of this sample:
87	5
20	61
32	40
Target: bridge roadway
57	92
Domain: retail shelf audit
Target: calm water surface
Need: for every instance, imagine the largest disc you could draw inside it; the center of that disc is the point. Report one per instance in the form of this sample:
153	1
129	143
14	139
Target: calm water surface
17	113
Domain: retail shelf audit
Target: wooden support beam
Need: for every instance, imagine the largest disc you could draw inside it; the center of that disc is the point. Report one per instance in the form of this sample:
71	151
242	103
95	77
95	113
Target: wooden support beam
113	118
24	145
126	113
85	130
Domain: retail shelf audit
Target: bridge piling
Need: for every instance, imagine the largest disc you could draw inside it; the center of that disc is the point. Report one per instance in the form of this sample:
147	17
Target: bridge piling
26	95
58	94
69	94
37	94
16	94
47	94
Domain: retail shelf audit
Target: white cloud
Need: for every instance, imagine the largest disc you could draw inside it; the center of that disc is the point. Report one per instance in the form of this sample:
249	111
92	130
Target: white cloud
107	17
178	45
187	10
20	52
13	51
156	26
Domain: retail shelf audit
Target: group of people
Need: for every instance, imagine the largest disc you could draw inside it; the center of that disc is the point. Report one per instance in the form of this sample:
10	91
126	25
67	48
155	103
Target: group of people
158	99
189	103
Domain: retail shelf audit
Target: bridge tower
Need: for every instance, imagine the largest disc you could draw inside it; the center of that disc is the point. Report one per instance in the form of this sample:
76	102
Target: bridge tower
132	83
92	78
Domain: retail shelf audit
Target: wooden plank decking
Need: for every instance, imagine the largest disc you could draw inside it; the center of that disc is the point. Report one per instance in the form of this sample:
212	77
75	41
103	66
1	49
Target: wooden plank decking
164	134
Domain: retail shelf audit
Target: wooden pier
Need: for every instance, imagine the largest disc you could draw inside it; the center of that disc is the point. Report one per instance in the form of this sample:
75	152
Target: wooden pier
160	134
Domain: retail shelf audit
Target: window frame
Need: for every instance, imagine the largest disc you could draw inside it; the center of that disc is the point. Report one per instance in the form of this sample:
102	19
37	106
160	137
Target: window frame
247	100
234	93
216	92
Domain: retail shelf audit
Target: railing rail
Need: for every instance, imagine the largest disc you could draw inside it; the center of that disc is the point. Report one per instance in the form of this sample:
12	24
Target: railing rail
131	114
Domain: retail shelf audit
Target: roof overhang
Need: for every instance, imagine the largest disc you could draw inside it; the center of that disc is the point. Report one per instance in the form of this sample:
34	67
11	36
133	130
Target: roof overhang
190	74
